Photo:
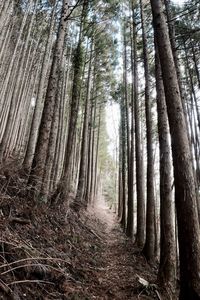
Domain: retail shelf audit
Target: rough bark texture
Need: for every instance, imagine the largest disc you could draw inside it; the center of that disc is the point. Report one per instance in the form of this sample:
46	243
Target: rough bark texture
149	248
140	237
84	142
94	192
50	99
92	180
129	226
167	267
123	167
73	116
63	186
132	144
40	101
185	194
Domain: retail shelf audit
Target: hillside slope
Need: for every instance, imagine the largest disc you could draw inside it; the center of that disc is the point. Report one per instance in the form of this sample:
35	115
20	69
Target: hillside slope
54	253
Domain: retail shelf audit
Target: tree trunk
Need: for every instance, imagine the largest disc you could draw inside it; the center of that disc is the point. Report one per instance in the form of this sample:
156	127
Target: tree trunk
149	248
39	160
140	236
129	226
40	99
123	168
64	183
84	142
185	193
167	266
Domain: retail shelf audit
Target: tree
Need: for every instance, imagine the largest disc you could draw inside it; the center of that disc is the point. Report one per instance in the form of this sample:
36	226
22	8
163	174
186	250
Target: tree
185	194
123	161
40	156
82	179
149	247
167	266
63	186
40	98
140	235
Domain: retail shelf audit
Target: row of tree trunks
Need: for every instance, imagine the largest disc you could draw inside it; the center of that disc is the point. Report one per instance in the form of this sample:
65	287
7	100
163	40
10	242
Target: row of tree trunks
27	164
39	161
185	192
83	171
64	184
183	124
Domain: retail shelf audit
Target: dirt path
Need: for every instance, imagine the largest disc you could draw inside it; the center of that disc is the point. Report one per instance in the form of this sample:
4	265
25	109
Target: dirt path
81	255
90	257
120	266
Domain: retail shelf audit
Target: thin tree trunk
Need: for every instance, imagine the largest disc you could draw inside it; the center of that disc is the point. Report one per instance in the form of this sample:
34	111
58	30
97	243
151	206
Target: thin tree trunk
123	170
129	226
140	235
149	247
84	144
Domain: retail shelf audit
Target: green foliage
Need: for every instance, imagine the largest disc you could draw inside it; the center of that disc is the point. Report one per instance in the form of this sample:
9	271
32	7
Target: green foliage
118	92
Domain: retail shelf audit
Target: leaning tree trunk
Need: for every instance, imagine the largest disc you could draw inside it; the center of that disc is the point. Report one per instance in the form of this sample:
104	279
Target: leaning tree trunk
185	193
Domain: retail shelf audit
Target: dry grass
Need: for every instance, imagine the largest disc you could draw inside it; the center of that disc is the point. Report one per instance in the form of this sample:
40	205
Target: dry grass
49	253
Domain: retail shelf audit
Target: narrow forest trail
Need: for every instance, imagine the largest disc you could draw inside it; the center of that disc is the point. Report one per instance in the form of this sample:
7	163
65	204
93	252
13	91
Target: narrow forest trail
67	254
120	265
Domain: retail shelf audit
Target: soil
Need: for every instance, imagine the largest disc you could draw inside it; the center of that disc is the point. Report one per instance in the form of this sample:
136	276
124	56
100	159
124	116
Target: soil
51	252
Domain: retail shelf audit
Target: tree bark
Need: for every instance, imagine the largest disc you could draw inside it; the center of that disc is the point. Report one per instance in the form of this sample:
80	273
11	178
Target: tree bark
185	193
84	143
123	167
39	160
28	160
140	235
149	247
167	266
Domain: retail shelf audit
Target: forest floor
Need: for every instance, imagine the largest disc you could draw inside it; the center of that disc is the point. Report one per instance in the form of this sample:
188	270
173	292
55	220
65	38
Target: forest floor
122	266
48	253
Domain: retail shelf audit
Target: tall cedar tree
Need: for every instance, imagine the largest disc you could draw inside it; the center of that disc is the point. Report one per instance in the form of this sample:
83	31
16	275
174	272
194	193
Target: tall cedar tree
167	266
149	248
185	194
40	156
